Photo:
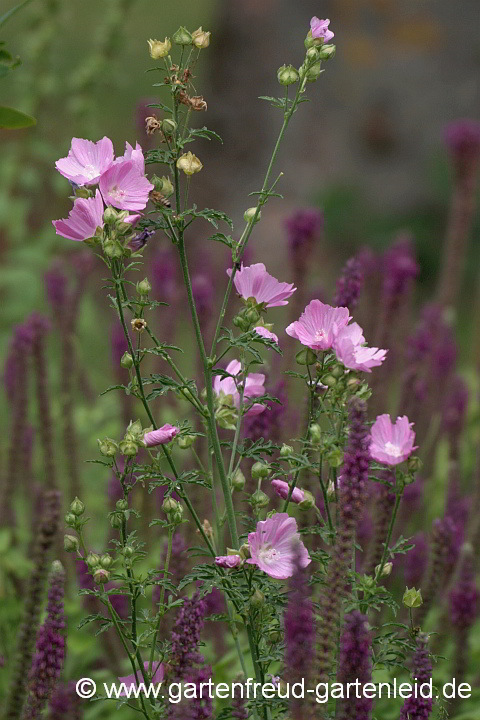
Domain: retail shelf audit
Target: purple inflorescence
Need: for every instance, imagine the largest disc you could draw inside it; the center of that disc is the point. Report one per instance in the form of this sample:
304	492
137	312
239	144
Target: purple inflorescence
349	285
464	595
416	560
302	228
355	663
186	635
419	708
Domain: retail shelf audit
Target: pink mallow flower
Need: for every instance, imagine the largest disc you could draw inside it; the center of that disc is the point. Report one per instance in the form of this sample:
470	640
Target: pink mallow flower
320	29
254	387
350	349
282	489
130	684
135	155
391	443
162	436
228	561
275	546
318	325
254	281
83	219
260	330
124	186
86	161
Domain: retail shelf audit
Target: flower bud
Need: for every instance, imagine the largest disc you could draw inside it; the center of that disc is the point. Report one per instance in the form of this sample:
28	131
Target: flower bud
189	163
306	357
414	464
127	361
107	447
259	499
329	380
106	561
116	520
112	249
335	457
168	128
70	543
77	507
249	214
70	519
167	186
176	518
337	371
101	576
122	504
244	551
315	433
331	490
128	551
128	448
327	51
201	38
286	450
182	37
412	598
257	600
143	287
110	216
387	569
158	49
275	635
260	470
313	54
186	441
287	75
314	72
238	480
92	560
252	316
308	501
169	505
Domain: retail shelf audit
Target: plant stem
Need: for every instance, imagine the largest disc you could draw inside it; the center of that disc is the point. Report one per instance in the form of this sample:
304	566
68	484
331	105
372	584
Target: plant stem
162	598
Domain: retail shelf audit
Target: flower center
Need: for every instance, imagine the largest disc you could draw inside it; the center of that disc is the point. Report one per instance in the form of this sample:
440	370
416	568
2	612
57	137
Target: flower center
393	449
117	193
268	554
320	335
90	171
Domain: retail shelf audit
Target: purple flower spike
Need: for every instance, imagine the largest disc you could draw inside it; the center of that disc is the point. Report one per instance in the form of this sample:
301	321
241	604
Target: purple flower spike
355	662
418	708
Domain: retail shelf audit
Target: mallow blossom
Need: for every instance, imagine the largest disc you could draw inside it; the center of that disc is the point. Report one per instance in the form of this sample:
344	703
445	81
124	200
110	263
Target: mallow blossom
135	154
351	351
124	186
318	325
254	281
261	330
86	161
129	682
282	489
163	435
83	219
276	548
320	29
228	561
254	387
391	443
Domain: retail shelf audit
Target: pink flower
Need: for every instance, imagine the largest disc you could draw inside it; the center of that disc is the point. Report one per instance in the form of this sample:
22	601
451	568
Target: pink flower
320	29
282	489
254	281
161	436
318	325
260	330
83	219
124	187
275	546
254	387
391	443
129	681
350	349
86	161
135	155
228	561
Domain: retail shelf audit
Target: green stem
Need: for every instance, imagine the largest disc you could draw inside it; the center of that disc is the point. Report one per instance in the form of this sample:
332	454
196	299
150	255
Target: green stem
162	598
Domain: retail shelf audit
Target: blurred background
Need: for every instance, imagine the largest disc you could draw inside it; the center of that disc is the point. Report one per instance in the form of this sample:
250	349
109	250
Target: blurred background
367	173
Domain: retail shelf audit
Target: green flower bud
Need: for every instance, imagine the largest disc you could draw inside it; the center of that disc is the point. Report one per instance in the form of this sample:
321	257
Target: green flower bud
244	551
128	448
249	214
70	519
414	464
134	430
252	316
112	249
116	520
257	600
286	450
110	216
182	37
412	598
101	576
308	501
306	357
143	287
83	192
287	75
70	543
275	635
337	371
92	560
106	561
335	457
128	551
329	380
313	54
122	504
387	569
176	517
167	187
314	72
168	128
127	361
238	480
186	441
310	41
107	447
77	507
169	505
315	433
259	499
327	52
260	470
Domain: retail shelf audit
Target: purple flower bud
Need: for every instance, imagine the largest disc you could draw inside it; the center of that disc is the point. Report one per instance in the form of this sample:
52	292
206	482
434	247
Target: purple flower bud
354	663
419	708
349	285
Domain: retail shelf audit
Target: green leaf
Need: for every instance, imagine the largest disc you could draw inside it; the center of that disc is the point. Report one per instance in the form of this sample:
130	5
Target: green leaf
6	16
11	119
